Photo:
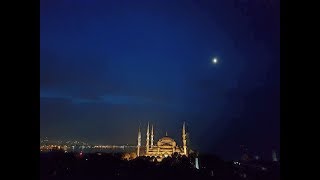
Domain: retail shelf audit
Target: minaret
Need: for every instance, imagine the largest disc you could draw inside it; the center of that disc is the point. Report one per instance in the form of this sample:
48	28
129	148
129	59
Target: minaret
152	135
274	156
197	162
184	139
139	142
147	144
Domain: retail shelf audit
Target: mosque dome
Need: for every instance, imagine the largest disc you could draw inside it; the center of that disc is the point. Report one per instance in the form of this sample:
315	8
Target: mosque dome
166	141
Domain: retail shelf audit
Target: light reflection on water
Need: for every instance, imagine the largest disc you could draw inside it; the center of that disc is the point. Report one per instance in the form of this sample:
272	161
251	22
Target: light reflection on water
108	150
102	150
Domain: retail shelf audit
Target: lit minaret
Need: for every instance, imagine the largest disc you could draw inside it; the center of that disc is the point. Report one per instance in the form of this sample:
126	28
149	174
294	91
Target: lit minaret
147	144
274	156
152	135
184	139
139	143
197	162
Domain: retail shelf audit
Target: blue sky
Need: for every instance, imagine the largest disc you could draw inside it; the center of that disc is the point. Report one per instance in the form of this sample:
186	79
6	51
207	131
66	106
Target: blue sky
105	66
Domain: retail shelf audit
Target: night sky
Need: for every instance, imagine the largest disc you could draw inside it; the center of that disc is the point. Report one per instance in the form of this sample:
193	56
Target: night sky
106	66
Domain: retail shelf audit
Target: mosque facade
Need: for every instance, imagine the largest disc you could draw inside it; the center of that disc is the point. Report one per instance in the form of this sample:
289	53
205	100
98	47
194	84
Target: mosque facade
165	146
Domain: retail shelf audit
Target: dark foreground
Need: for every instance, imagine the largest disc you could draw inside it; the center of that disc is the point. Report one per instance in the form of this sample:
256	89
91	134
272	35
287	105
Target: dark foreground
69	166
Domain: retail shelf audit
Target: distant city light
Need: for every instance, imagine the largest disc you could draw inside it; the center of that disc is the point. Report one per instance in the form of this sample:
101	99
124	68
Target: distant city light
236	163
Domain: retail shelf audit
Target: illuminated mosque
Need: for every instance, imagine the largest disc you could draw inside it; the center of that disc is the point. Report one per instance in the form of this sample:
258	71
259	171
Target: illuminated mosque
165	146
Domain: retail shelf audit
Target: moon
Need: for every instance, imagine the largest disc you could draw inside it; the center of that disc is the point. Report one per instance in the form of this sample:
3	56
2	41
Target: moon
215	60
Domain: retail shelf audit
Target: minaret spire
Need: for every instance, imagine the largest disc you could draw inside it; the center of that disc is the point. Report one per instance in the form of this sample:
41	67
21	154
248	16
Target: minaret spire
139	142
147	143
152	135
184	138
